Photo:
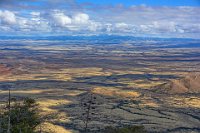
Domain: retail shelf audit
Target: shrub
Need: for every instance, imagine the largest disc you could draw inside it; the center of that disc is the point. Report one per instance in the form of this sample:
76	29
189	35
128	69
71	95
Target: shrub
24	117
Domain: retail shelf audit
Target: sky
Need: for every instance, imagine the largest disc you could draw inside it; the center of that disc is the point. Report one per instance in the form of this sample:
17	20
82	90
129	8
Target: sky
156	18
147	2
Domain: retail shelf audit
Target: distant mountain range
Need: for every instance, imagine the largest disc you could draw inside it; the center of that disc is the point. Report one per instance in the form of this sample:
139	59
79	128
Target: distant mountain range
94	37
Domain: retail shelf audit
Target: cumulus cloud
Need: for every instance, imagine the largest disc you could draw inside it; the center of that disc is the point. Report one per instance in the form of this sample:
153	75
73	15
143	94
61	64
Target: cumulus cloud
61	19
35	14
7	17
95	26
67	16
121	25
81	18
74	22
11	21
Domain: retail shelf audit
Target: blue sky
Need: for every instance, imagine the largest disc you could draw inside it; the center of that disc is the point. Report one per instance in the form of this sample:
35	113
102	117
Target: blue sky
157	18
147	2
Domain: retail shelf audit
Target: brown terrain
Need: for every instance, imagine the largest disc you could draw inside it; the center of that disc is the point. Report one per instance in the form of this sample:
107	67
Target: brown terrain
4	70
188	84
136	84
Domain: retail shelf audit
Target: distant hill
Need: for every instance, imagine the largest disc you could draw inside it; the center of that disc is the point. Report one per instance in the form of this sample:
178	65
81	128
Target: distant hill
188	84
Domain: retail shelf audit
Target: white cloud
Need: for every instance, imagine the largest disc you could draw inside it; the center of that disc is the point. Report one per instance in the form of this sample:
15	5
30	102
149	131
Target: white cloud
108	27
81	18
140	20
35	14
7	17
95	26
9	21
5	28
180	30
61	19
74	22
164	26
121	25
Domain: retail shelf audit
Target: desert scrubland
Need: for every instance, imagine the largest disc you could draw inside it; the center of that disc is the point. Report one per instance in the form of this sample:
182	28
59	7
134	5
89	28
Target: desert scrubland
134	83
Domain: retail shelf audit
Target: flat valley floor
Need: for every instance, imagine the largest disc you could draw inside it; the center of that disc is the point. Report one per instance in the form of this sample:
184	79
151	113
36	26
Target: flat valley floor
122	78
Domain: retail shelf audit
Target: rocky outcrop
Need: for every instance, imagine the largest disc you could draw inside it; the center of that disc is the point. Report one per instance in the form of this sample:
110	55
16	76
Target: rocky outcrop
188	84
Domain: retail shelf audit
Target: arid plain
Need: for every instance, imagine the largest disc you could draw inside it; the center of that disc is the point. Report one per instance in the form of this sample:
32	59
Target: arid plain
135	82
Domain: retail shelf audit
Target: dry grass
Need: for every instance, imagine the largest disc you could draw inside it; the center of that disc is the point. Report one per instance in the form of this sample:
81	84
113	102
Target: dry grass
184	102
144	84
51	128
47	104
109	91
85	72
22	92
37	93
57	74
148	102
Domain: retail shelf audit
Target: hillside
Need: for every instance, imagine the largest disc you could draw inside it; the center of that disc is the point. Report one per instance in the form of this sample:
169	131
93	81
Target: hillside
188	84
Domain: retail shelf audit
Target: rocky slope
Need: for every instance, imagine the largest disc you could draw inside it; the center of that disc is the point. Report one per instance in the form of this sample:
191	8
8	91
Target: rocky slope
188	84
